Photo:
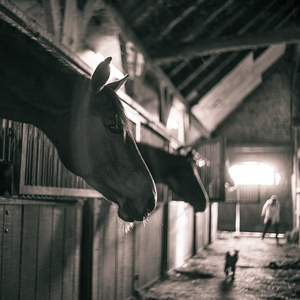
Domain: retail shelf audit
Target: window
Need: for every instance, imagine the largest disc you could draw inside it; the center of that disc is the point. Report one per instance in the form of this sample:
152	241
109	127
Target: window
254	173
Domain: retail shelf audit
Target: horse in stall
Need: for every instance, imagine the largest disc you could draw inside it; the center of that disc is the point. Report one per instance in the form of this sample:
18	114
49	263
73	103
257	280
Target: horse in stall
179	172
82	117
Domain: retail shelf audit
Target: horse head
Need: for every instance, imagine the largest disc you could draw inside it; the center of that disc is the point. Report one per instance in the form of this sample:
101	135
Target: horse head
109	160
83	118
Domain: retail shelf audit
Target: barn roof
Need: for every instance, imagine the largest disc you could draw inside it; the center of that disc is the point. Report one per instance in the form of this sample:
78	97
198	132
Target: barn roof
215	52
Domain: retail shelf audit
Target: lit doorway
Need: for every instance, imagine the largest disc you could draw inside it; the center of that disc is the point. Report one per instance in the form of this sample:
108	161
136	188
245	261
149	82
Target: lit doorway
250	178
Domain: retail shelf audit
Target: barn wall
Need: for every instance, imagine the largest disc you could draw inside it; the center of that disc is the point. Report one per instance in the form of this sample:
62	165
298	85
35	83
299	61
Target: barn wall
263	120
40	248
104	262
72	250
202	229
250	214
264	117
120	261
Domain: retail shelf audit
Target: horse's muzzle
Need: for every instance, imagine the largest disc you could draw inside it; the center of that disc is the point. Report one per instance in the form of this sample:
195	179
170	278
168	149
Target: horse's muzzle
128	213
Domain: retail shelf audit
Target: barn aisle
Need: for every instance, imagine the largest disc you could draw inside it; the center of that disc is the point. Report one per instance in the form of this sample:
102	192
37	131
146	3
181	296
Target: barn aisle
203	277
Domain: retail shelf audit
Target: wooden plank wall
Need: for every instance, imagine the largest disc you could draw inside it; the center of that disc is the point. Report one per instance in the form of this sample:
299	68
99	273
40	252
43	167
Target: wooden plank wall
202	229
40	250
148	251
180	233
121	261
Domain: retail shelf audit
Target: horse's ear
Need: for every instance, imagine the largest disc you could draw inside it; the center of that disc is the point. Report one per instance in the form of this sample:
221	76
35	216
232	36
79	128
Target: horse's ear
100	75
117	84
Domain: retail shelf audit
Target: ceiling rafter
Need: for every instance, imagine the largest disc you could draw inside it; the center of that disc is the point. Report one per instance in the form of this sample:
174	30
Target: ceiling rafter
228	44
242	30
284	20
179	19
194	100
257	17
53	17
198	43
142	12
201	26
246	27
274	16
197	72
228	23
178	68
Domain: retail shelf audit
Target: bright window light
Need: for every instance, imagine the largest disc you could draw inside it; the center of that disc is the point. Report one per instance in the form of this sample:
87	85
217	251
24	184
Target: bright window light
172	124
93	59
254	173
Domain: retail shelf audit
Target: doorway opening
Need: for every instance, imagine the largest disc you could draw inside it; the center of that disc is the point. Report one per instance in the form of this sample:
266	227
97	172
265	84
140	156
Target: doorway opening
249	178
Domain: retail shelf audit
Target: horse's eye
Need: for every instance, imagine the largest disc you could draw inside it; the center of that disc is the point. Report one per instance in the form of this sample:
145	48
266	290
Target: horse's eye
114	128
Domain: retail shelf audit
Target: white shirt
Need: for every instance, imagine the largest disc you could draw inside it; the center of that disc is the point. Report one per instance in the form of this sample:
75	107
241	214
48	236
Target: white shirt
271	212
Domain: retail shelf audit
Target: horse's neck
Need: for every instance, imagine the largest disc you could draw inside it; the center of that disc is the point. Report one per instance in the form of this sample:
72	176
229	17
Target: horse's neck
51	105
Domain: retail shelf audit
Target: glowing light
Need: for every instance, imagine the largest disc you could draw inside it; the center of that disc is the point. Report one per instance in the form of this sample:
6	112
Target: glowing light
93	59
254	173
172	124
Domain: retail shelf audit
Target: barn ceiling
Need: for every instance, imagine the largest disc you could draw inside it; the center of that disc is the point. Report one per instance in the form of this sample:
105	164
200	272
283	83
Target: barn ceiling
215	52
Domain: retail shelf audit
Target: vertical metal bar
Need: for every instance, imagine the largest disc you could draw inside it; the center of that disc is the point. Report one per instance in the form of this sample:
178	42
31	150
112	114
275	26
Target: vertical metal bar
29	154
39	160
9	140
34	157
4	126
24	158
55	171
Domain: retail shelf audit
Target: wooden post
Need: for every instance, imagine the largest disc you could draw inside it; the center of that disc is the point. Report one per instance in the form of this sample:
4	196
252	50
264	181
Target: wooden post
164	257
238	214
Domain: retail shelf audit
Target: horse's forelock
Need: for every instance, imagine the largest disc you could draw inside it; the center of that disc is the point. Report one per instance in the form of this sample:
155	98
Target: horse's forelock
115	102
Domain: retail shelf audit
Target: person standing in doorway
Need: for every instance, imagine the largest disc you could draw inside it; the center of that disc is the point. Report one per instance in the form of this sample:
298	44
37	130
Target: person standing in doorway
271	211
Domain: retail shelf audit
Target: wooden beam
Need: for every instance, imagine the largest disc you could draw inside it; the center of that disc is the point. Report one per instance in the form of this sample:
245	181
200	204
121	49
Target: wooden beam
142	11
259	16
228	44
200	27
190	97
219	102
228	22
279	16
150	65
197	72
53	17
11	14
286	18
180	18
70	30
85	17
295	88
177	69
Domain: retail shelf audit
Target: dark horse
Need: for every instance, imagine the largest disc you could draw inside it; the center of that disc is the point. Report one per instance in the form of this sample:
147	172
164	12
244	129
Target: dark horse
179	172
83	118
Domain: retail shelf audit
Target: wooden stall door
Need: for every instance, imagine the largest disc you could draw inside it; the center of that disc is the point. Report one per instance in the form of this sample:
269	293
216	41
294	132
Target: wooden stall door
212	164
119	261
40	250
202	229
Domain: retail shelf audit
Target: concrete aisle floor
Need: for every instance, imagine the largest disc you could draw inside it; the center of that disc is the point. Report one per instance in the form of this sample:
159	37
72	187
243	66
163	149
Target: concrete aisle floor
203	277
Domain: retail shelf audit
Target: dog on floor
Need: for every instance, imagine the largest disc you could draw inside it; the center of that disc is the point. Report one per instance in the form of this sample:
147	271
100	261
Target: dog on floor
230	263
